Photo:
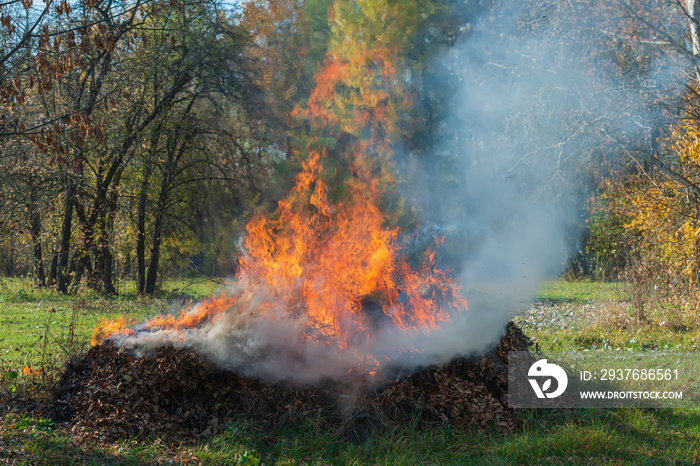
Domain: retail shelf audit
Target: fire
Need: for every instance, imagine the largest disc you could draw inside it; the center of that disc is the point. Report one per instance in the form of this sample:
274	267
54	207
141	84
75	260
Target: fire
326	260
188	318
108	328
330	259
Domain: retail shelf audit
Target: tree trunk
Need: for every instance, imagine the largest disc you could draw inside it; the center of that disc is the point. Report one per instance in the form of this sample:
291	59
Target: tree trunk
10	263
53	269
107	270
141	211
155	254
62	278
158	227
106	240
141	237
79	265
693	9
39	276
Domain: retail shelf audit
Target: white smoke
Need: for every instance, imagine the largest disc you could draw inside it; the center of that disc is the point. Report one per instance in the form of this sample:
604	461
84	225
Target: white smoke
533	104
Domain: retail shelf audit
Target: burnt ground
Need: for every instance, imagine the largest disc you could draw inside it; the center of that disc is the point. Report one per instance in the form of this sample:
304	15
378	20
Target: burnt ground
178	396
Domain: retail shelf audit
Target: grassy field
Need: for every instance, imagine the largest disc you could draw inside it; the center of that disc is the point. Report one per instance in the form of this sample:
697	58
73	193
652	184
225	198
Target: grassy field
589	315
39	327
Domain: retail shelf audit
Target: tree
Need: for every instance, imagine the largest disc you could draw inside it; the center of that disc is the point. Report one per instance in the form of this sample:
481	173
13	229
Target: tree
654	198
123	102
693	11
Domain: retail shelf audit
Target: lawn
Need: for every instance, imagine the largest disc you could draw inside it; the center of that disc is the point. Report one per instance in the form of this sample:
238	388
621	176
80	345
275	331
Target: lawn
40	326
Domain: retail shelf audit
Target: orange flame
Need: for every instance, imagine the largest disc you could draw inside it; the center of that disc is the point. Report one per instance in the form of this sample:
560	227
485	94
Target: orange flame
188	318
108	328
328	263
326	260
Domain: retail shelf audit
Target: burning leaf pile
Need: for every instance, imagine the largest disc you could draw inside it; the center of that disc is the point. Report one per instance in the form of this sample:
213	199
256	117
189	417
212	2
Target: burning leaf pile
178	396
172	393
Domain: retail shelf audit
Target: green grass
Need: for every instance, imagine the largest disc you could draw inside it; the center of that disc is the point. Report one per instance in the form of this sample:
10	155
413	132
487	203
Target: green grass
558	291
624	436
598	316
39	327
579	315
21	290
583	437
634	339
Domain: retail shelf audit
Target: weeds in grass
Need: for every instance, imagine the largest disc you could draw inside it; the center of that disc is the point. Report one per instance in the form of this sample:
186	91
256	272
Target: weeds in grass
39	424
8	380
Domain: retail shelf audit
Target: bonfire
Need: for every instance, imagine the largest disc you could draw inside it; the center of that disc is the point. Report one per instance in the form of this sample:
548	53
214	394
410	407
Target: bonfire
321	288
317	325
326	319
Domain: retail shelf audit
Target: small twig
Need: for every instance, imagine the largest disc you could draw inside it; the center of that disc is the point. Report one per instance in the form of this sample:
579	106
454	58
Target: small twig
48	332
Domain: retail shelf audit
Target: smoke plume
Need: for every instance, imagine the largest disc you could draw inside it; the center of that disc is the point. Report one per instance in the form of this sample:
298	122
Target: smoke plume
540	96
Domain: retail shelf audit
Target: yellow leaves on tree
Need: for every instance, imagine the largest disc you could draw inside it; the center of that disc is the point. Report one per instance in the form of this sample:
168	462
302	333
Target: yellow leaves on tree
662	207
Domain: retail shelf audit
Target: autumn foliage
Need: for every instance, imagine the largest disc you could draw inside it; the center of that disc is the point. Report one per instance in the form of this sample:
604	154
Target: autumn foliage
655	212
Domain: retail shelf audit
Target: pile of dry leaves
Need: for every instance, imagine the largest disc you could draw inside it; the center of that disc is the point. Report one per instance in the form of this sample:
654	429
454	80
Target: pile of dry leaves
178	396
